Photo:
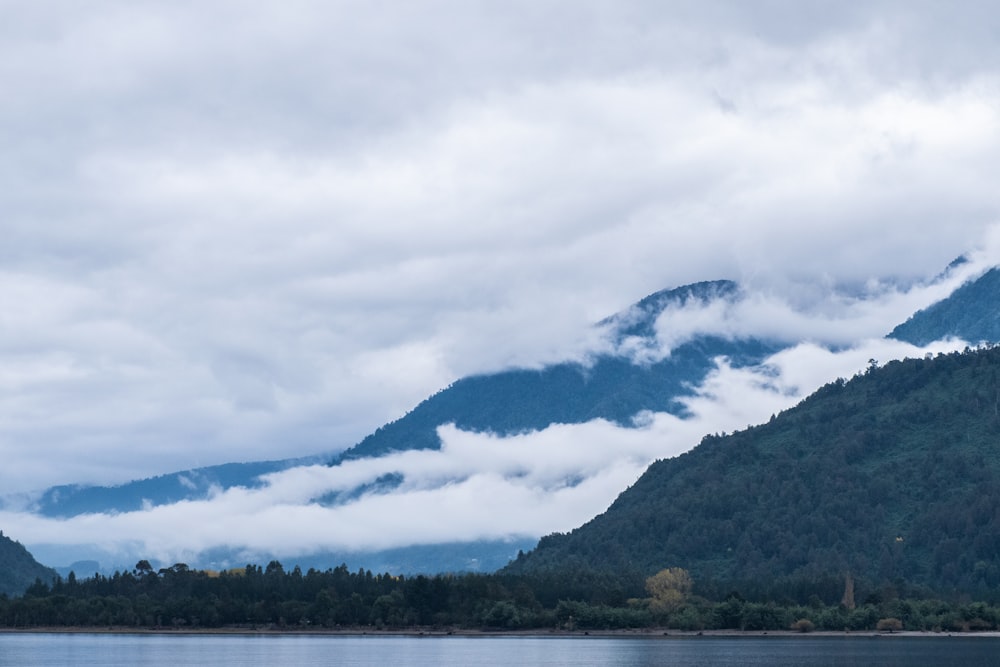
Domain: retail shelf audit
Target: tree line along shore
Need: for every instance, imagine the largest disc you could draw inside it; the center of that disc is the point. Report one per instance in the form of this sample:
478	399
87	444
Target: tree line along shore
255	598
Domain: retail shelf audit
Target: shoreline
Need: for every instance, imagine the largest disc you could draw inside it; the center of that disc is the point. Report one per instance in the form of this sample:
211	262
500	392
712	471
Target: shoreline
643	633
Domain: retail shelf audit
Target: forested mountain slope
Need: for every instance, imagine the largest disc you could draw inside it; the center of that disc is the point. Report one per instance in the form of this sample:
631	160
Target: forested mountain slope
18	569
891	476
971	312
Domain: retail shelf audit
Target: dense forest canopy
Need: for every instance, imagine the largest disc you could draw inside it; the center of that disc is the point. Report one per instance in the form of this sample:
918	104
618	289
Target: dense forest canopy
18	569
272	598
970	313
892	476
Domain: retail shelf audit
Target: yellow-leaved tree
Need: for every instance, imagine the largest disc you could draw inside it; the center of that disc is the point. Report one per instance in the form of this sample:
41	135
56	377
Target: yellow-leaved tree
668	589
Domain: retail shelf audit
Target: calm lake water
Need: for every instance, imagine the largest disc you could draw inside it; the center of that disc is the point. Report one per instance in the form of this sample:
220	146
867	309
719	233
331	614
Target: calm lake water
110	650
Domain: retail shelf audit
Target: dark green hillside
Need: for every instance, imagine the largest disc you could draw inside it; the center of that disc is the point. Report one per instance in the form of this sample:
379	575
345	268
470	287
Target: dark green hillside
971	313
18	569
892	476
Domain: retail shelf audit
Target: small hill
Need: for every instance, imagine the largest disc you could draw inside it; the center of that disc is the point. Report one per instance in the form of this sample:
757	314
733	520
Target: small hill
893	476
18	569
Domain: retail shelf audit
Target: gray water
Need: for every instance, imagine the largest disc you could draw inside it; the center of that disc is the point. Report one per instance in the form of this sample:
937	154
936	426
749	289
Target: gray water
111	650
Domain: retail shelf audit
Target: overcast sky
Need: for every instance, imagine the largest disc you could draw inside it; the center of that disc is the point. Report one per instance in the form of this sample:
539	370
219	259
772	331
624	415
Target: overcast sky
231	231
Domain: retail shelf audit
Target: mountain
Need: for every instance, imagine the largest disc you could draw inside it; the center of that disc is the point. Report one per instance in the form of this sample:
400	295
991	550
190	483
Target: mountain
612	386
18	569
636	371
893	476
971	312
198	483
632	375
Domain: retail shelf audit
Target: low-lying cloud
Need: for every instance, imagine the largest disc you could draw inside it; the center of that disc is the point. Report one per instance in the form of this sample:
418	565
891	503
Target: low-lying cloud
479	486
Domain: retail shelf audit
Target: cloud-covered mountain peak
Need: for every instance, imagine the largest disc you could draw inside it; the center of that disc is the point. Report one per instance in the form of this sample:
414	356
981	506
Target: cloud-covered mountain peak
640	319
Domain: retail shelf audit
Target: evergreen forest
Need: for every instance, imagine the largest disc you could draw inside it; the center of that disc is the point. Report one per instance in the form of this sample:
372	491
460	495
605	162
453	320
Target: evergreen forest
259	599
891	477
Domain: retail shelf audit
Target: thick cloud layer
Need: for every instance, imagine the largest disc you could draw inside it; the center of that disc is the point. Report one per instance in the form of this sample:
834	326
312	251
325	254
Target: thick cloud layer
233	232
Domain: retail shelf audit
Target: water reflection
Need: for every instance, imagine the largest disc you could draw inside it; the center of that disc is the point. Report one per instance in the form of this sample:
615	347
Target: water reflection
111	650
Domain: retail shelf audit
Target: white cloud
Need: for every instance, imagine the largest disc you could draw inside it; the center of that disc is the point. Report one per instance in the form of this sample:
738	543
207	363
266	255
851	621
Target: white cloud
826	315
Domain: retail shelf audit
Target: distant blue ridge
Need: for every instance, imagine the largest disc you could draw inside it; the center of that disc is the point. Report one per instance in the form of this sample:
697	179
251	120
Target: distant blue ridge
71	500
